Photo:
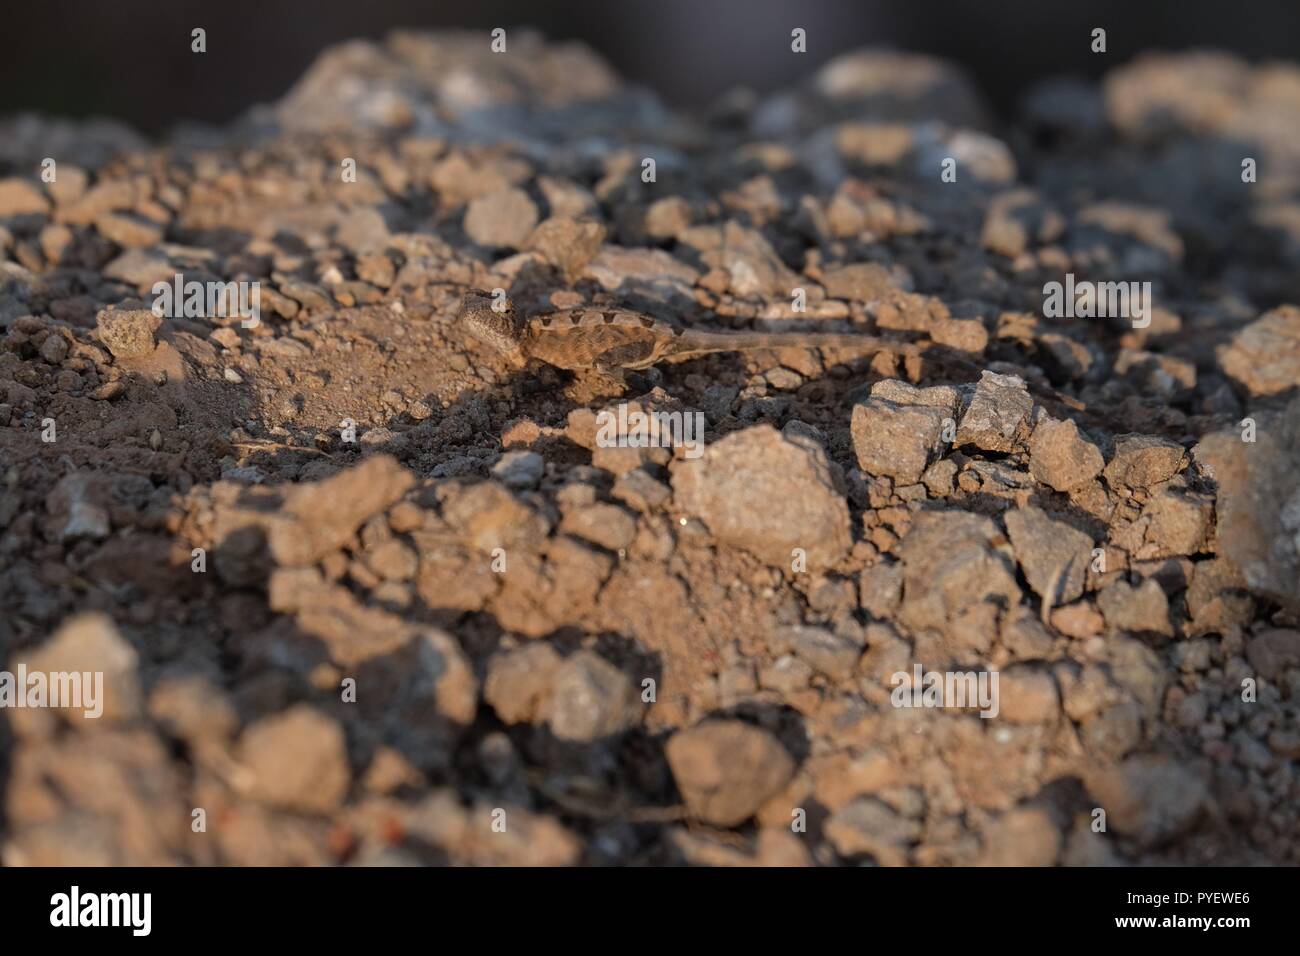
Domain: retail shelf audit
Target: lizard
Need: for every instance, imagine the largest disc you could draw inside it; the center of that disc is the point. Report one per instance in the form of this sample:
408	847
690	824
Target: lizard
611	341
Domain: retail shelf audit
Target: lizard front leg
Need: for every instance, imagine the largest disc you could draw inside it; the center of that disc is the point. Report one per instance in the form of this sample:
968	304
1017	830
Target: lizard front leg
633	364
591	384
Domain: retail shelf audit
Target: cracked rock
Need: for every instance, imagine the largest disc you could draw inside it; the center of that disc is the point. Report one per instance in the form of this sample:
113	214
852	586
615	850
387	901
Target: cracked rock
128	334
767	494
899	430
1061	457
1265	356
1138	609
1258	505
996	416
1053	555
1141	461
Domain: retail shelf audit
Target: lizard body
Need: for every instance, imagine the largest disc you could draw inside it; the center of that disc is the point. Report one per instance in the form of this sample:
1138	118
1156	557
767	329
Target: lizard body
612	341
615	339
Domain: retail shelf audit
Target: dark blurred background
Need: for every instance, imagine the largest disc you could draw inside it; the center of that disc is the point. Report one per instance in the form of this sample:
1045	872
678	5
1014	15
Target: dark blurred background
131	59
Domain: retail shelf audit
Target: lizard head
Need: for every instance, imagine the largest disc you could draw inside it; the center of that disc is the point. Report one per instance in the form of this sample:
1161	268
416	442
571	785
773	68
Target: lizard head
501	330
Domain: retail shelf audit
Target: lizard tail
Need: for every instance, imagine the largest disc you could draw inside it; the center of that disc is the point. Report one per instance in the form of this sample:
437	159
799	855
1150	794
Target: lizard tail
692	343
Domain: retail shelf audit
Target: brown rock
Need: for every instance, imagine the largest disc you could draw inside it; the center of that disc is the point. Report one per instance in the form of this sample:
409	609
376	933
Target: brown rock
323	516
727	769
1148	798
870	827
965	335
1016	219
298	760
501	219
393	561
735	487
590	699
363	231
1022	837
442	667
453	576
193	709
751	264
86	645
896	441
1141	461
996	416
1028	695
1258	504
128	334
1273	652
881	589
955	576
824	650
488	516
666	218
1140	609
53	349
1265	356
104	196
1061	458
1171	524
1053	555
859	282
519	682
606	525
131	232
1079	621
568	244
899	430
18	197
653	272
114	798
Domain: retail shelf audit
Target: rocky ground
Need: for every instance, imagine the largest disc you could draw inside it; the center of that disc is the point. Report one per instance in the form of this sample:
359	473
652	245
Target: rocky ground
472	635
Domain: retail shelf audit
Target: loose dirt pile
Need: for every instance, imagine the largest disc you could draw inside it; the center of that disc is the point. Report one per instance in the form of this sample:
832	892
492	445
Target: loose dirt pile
363	593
